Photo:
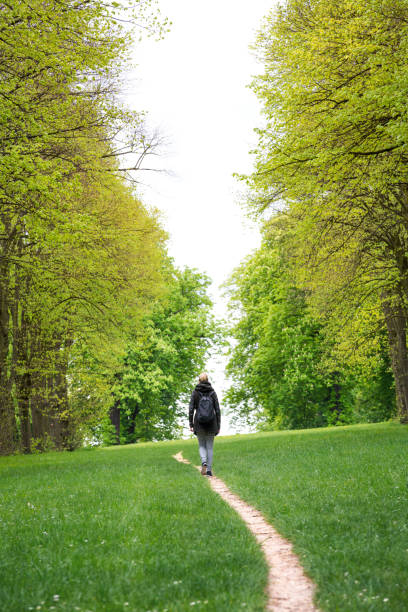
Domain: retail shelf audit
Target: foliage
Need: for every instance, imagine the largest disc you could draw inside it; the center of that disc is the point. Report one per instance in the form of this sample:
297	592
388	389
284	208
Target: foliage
332	154
291	369
276	362
165	355
123	279
80	256
60	67
328	84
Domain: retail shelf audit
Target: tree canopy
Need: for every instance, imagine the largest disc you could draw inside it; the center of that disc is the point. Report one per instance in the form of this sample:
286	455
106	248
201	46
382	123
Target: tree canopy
165	356
83	262
331	154
290	368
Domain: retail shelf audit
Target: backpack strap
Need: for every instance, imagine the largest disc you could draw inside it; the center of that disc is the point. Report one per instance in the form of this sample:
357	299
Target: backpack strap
203	394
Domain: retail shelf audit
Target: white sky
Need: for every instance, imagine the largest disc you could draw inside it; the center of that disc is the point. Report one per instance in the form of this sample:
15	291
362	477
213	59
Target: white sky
194	86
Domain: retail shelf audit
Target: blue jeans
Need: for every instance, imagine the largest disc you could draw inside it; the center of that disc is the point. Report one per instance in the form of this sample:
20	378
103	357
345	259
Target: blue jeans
205	446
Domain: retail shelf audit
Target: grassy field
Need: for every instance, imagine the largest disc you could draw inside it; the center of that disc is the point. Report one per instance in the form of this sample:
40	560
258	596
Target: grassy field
341	496
121	529
130	529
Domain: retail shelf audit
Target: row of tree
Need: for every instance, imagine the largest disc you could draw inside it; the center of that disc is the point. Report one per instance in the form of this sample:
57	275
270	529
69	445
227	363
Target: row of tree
292	368
322	307
87	292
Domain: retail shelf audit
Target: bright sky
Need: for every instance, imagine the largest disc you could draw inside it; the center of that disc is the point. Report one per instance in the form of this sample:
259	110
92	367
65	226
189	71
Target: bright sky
194	86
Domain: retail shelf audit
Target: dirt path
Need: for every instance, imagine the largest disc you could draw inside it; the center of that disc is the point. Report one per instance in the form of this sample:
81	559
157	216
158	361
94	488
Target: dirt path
289	589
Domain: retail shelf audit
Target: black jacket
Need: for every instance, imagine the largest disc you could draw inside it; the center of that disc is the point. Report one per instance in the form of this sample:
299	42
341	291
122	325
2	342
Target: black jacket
215	424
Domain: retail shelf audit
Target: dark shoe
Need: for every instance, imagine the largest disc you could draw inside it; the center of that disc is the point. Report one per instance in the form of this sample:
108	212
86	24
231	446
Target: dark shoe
204	469
209	473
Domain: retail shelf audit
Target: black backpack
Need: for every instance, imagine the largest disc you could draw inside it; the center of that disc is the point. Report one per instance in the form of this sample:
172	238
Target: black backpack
205	409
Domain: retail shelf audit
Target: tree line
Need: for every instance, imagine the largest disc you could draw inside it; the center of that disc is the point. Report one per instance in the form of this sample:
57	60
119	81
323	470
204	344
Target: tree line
88	292
321	309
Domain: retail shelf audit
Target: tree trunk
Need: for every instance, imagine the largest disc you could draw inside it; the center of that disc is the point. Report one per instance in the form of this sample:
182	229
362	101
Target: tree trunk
336	407
132	419
8	425
10	250
114	415
21	373
7	416
24	392
396	322
50	405
39	393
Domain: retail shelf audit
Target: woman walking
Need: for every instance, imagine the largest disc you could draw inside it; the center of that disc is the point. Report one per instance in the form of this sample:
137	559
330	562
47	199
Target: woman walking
205	420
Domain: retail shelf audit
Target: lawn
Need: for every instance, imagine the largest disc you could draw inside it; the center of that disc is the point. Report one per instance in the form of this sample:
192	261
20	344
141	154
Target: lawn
129	528
341	496
121	529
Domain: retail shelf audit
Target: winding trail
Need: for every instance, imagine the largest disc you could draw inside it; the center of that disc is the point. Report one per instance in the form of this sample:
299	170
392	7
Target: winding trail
288	589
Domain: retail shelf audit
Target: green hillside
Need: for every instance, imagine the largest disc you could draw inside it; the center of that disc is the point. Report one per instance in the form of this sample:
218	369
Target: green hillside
340	494
121	529
128	528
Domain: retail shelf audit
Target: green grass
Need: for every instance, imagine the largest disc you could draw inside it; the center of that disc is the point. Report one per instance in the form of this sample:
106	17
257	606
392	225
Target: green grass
341	496
130	529
121	529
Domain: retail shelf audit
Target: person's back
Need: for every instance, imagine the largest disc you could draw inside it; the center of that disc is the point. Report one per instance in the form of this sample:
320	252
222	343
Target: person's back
205	420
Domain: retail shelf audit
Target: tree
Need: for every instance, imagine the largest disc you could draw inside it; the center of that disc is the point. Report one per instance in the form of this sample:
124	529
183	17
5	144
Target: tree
290	368
86	282
334	150
277	360
164	357
62	133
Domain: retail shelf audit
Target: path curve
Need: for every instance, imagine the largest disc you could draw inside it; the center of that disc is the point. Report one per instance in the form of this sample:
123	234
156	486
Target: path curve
288	589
